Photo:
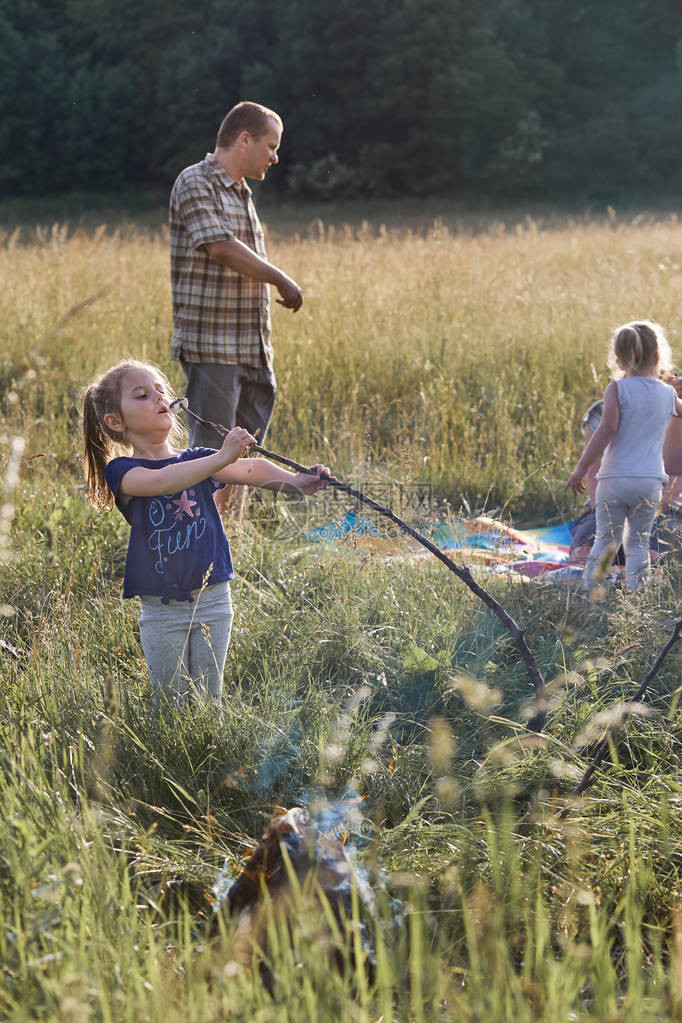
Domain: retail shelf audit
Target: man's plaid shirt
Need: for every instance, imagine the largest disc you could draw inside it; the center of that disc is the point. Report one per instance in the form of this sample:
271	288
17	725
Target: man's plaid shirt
218	315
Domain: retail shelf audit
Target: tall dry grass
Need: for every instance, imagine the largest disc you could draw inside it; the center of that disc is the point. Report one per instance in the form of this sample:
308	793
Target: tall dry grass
463	358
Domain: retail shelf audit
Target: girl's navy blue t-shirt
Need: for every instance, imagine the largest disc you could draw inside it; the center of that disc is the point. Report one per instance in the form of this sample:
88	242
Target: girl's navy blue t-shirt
174	538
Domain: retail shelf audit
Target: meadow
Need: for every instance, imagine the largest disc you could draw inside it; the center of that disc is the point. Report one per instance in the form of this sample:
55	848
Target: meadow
453	357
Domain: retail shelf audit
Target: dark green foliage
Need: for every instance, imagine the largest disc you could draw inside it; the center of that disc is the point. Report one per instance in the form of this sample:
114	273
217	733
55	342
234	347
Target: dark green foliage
416	97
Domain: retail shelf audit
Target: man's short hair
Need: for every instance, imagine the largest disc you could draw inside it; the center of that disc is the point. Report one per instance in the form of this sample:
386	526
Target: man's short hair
245	116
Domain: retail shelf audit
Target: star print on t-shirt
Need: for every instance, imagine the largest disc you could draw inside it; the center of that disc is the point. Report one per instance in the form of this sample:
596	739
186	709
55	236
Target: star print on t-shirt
184	506
176	538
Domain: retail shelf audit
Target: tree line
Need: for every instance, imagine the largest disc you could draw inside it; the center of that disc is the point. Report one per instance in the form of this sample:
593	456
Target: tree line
545	98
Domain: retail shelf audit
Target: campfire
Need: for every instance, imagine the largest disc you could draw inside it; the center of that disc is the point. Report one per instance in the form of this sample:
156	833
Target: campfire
296	877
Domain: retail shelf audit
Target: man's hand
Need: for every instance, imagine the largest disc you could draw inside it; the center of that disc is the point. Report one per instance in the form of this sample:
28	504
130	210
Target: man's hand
243	260
292	296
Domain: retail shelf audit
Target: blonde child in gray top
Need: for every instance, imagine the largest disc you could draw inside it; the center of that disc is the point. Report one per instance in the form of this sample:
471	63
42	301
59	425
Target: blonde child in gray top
636	414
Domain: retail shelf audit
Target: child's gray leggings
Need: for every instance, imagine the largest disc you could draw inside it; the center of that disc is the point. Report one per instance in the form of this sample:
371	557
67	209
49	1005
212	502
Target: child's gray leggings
185	645
626	507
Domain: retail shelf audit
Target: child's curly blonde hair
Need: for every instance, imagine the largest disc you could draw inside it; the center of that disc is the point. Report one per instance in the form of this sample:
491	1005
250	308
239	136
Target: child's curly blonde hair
639	344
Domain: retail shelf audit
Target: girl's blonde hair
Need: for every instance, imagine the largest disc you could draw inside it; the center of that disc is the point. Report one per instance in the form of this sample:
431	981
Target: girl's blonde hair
637	344
100	442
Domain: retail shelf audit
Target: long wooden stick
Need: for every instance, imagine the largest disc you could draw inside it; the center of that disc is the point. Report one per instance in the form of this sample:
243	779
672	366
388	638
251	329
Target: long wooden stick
536	722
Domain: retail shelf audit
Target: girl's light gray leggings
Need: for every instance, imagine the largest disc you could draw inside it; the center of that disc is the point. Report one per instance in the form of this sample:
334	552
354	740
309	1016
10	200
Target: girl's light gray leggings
626	507
185	645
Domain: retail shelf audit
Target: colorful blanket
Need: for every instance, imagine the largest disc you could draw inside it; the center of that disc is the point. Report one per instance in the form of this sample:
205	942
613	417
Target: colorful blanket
482	540
496	546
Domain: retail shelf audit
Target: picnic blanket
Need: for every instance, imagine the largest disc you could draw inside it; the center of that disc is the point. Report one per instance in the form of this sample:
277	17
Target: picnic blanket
542	552
483	540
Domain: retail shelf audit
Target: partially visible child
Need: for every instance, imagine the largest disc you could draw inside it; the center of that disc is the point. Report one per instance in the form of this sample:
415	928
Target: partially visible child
629	439
179	561
665	532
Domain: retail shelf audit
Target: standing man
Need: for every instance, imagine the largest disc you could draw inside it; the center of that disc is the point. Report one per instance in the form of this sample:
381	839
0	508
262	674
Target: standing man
219	281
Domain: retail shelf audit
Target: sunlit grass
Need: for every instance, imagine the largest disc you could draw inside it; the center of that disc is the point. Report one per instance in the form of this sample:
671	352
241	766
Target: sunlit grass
464	359
461	359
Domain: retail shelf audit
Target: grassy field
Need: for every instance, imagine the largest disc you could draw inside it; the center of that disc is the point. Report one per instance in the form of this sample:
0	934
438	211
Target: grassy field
458	359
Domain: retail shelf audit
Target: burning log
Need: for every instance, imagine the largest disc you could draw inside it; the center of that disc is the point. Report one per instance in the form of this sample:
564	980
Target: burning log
294	878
